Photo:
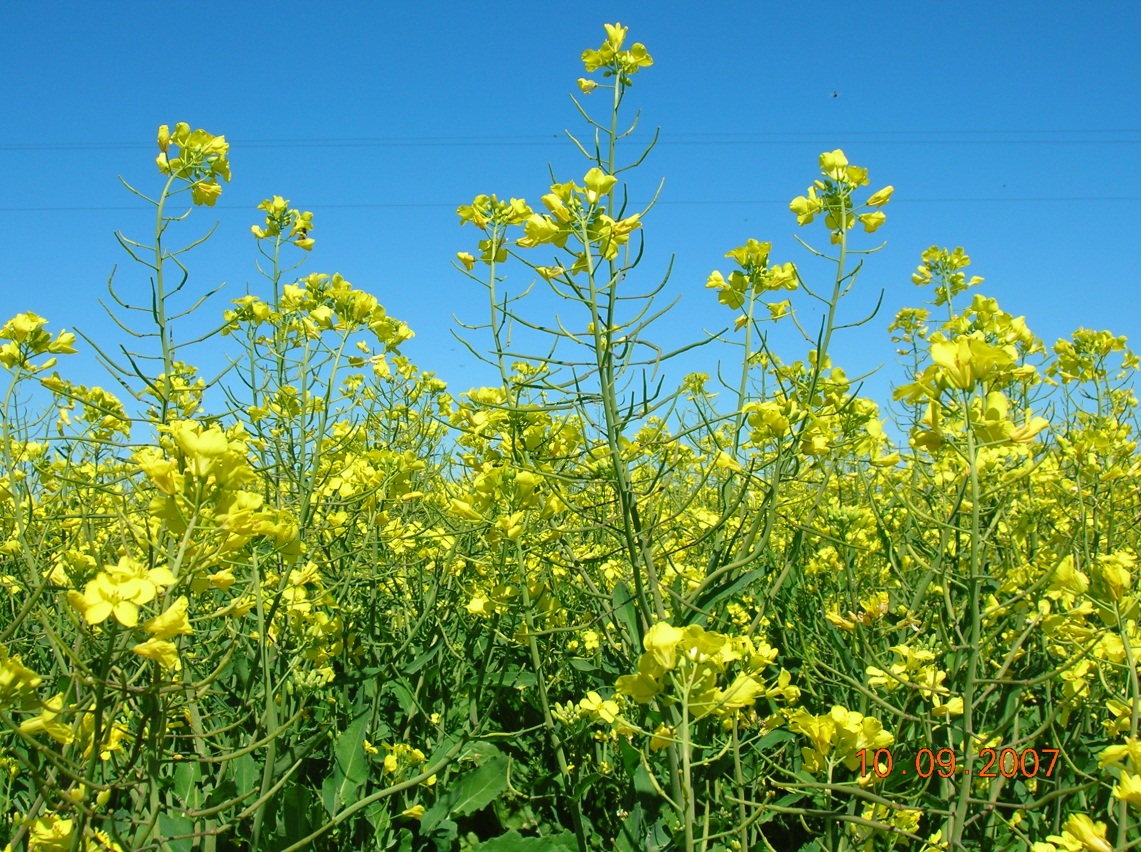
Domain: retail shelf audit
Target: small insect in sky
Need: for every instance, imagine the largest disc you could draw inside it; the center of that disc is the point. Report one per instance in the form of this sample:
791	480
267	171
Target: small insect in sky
835	94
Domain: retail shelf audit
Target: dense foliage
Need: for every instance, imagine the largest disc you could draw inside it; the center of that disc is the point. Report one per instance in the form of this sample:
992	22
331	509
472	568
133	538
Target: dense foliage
573	610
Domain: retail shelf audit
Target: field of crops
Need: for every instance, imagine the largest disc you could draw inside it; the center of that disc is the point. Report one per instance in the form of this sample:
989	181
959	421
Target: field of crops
353	608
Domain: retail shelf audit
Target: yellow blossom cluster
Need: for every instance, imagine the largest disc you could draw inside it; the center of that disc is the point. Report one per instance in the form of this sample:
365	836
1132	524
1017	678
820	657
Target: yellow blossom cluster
200	160
613	59
687	664
832	196
281	218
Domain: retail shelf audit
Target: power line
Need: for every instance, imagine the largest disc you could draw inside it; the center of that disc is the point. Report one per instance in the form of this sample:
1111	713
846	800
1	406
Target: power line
443	205
882	137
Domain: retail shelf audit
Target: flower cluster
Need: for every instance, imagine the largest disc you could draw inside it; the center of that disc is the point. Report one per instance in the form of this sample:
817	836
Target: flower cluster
687	665
914	668
281	218
200	159
616	61
754	277
832	196
27	339
837	736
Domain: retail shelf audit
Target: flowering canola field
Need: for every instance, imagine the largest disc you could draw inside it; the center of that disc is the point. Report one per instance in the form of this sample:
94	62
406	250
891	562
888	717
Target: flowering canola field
345	608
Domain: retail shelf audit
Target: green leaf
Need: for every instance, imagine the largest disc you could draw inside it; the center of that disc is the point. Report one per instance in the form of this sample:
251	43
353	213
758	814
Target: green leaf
294	813
517	677
226	791
443	835
350	770
626	613
783	802
780	735
481	786
247	774
643	785
435	814
512	840
378	818
472	791
405	841
424	658
629	837
723	591
170	825
403	696
188	784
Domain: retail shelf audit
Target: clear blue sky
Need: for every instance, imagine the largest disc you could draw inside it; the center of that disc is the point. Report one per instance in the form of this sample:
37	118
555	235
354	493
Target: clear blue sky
1008	128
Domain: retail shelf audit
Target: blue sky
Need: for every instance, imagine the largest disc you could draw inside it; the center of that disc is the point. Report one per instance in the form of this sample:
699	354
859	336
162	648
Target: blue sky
1008	128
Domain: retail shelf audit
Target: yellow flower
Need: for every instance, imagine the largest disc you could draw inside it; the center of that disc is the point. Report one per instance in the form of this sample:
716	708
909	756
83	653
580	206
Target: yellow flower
611	55
202	447
954	707
222	580
103	841
880	198
161	651
743	692
1113	570
1068	579
480	605
661	644
806	206
779	310
662	737
120	591
615	35
172	622
205	192
511	525
598	184
724	461
1029	430
1083	830
48	722
103	597
463	509
414	812
17	684
467	259
112	737
1118	754
834	164
836	620
967	360
163	472
50	834
602	710
1128	789
641	687
586	85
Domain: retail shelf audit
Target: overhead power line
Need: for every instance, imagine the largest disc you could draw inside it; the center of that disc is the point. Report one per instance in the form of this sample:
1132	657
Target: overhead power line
1017	136
444	205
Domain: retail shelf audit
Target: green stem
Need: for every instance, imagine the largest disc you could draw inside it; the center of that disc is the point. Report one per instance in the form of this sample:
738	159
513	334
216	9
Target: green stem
159	306
974	614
